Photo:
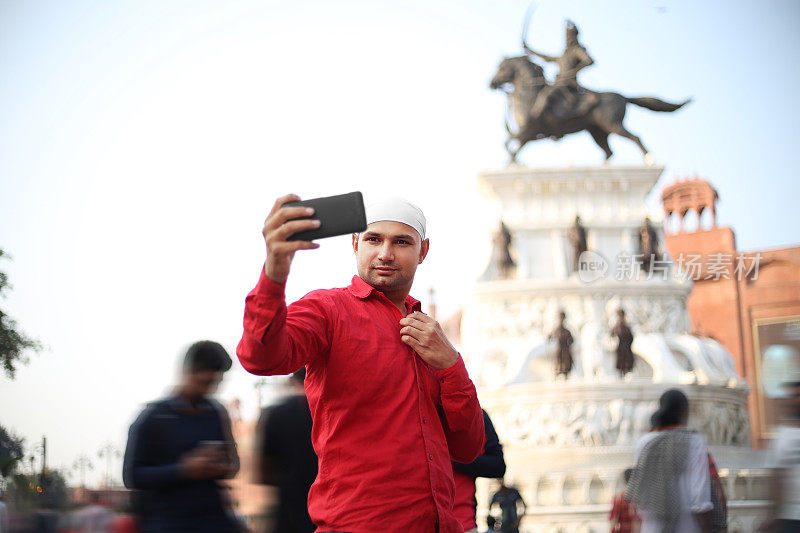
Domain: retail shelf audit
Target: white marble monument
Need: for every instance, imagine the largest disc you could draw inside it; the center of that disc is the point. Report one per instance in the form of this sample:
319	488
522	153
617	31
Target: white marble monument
567	441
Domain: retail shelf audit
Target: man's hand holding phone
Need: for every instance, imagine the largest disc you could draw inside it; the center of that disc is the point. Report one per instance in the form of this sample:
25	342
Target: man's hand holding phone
206	462
278	227
289	227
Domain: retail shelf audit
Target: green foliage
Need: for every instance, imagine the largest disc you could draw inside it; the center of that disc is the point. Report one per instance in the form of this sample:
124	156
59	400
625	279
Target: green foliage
55	490
13	343
36	492
11	452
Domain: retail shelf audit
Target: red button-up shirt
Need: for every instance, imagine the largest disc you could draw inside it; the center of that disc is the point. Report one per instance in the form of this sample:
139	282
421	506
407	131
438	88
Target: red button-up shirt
464	500
386	424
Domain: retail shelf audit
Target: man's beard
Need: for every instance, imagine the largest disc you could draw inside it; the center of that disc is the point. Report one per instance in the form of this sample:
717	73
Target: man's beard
398	280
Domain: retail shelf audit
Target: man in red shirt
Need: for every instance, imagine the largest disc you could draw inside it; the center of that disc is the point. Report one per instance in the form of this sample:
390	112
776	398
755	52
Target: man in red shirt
390	398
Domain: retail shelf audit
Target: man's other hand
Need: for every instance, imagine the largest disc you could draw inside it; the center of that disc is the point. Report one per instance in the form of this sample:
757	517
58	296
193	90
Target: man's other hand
426	337
278	228
202	463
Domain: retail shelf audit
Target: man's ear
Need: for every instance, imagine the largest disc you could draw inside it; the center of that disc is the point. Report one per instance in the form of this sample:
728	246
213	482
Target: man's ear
355	242
423	250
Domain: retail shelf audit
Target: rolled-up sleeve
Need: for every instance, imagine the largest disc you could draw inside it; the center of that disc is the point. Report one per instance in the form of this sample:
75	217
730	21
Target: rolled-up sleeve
698	479
463	424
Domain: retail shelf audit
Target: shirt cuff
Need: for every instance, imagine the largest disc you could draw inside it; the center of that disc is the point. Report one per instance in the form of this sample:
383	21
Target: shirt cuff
454	377
267	287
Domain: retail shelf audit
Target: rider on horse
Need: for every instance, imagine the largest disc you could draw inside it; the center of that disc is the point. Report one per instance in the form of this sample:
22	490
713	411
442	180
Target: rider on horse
574	59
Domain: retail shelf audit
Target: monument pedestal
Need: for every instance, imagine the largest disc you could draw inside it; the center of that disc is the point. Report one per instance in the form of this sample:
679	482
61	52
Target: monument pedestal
567	441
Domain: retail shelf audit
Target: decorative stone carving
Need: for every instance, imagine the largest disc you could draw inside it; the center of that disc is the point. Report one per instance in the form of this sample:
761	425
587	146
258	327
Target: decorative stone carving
615	422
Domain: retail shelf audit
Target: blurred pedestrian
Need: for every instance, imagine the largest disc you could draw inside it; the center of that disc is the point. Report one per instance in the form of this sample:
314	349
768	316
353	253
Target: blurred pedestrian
94	517
719	512
124	522
670	485
784	513
4	520
46	519
179	449
623	516
489	464
512	509
287	457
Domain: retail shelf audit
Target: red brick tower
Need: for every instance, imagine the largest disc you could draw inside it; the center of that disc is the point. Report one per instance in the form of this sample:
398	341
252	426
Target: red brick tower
735	293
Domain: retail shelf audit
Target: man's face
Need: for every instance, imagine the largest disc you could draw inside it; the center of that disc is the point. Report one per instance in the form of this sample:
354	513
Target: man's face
388	253
201	383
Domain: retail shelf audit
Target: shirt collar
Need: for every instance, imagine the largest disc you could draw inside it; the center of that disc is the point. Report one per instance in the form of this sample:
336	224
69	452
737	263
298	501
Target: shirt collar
361	289
181	404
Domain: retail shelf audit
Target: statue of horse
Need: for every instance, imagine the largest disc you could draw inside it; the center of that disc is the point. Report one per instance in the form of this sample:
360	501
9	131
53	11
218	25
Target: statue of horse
526	79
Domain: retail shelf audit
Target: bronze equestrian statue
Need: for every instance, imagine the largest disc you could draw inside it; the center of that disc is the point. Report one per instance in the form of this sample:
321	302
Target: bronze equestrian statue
543	110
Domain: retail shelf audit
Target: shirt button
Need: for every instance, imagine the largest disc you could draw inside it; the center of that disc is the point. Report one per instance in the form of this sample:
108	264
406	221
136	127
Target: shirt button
430	456
424	420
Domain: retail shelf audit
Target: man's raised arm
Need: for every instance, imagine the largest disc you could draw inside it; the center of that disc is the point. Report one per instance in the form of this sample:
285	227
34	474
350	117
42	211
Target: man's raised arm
531	51
274	342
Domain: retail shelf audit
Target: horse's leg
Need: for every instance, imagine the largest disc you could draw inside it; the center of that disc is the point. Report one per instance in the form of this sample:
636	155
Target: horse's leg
601	138
512	152
619	129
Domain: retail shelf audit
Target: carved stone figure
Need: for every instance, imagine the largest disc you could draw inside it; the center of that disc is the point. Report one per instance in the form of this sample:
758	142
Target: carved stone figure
564	351
648	245
624	337
501	264
577	237
574	59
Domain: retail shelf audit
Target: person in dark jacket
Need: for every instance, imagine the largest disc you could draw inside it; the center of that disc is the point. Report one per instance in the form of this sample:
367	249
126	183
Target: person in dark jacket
490	464
512	509
287	457
179	448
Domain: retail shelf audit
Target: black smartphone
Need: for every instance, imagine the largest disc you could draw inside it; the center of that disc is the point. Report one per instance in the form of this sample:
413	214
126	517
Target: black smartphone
339	215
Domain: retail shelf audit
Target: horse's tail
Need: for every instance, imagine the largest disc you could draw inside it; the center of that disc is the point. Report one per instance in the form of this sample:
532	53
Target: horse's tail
654	104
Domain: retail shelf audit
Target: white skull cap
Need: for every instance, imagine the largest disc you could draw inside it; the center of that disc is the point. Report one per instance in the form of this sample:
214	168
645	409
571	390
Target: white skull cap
397	210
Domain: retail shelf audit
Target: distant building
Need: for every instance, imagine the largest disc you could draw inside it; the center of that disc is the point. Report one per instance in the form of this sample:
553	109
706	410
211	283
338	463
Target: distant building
116	497
747	300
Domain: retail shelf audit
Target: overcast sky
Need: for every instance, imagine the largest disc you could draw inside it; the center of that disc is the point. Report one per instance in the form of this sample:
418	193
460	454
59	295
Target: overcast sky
143	143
